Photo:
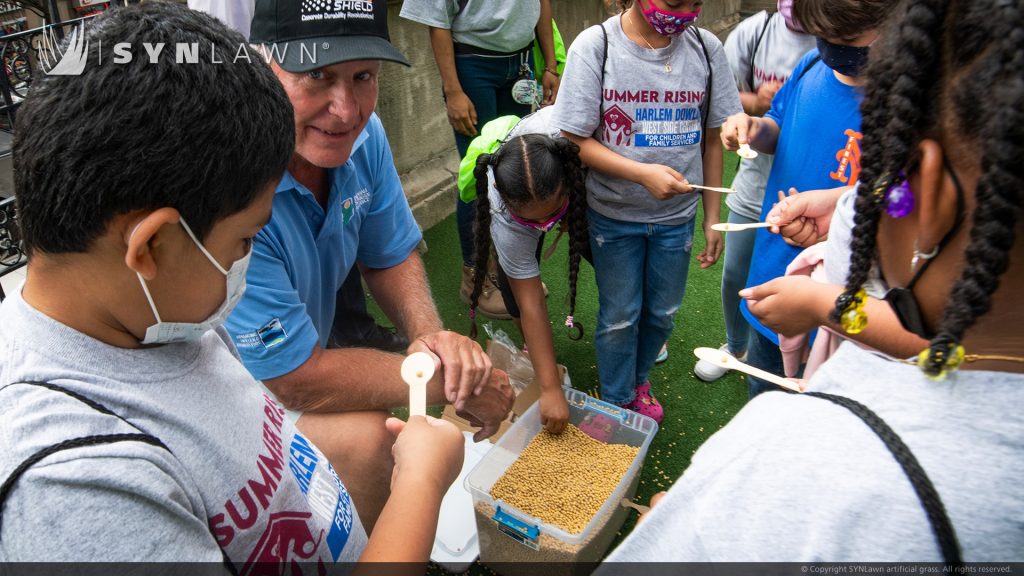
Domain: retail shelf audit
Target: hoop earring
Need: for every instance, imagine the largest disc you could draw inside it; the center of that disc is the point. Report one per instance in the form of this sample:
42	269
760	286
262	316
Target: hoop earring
918	256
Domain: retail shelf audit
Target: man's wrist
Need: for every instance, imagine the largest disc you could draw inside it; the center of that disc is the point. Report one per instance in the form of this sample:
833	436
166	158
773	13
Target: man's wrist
552	71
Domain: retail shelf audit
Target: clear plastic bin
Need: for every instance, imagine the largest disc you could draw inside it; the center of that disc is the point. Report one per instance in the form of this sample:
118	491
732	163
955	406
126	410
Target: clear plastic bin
509	537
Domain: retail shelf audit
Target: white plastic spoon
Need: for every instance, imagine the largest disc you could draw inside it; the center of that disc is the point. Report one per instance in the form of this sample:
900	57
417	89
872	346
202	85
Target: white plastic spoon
417	370
713	189
731	227
627	503
724	360
745	151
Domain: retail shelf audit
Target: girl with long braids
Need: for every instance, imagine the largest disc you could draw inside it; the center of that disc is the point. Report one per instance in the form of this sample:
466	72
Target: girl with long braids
532	183
897	460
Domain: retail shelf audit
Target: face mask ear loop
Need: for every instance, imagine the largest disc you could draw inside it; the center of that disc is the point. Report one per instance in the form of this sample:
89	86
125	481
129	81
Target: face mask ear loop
149	297
201	247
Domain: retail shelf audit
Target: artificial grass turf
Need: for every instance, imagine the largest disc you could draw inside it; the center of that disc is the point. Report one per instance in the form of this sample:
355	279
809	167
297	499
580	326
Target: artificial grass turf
694	409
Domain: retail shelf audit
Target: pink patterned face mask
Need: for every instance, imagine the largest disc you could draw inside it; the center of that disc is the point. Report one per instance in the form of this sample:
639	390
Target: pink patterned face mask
668	23
786	10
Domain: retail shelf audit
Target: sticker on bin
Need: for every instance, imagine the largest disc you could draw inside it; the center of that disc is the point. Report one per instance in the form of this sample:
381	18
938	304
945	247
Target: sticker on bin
518	530
612	410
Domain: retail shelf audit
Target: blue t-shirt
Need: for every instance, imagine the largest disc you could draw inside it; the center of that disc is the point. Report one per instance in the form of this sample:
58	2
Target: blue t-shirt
303	255
818	148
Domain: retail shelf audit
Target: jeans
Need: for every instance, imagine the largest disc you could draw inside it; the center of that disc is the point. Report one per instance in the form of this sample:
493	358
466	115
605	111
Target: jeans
738	249
764	354
487	81
641	272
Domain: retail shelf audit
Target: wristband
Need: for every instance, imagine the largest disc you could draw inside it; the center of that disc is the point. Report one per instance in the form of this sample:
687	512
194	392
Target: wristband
557	75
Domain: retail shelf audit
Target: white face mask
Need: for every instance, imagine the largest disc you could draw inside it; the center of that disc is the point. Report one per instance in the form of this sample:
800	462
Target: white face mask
167	332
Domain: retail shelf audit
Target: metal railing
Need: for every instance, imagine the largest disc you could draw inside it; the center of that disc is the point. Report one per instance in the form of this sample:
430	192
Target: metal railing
12	254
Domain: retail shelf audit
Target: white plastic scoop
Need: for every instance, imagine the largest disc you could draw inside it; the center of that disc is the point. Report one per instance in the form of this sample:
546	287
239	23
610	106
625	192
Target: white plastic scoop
731	227
417	370
627	503
724	360
713	189
746	152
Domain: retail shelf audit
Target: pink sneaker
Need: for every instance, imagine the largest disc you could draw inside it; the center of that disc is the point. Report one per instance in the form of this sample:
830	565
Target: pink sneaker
645	403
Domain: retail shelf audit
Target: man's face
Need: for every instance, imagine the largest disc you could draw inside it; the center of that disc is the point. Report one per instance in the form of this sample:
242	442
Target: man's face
332	106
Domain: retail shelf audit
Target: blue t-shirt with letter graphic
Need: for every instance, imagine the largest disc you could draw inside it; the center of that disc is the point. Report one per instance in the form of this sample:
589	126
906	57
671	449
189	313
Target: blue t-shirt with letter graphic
303	255
818	148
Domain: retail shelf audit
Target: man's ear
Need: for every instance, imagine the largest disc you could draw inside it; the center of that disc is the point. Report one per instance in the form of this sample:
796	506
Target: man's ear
144	236
936	202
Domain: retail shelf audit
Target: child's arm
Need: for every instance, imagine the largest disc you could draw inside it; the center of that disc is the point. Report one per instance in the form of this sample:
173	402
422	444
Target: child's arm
536	326
712	201
661	181
761	133
793	305
428	457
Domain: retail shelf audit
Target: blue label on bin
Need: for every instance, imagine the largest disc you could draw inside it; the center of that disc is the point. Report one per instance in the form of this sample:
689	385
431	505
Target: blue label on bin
518	530
606	408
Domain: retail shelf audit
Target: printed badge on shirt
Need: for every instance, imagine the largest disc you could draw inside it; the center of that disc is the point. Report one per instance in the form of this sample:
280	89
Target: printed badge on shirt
659	118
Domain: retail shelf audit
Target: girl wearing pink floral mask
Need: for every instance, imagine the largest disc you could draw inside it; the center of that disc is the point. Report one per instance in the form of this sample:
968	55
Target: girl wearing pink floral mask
641	94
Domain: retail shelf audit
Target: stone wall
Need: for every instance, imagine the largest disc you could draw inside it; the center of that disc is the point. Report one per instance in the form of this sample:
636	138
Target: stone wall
413	112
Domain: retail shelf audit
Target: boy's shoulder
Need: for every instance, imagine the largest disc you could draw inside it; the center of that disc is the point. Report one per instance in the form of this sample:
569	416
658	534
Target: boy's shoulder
804	66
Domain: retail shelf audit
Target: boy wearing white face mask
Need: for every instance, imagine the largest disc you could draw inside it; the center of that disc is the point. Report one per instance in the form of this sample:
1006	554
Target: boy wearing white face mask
129	430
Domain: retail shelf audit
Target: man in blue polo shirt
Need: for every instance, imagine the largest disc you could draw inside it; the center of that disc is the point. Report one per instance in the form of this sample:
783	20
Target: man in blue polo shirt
340	204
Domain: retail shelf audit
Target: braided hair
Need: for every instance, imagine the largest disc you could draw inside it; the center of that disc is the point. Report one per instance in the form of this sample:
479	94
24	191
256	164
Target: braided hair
935	59
530	168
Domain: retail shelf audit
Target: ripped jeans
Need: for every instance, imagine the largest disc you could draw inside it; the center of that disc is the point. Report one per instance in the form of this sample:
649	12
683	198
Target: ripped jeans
641	274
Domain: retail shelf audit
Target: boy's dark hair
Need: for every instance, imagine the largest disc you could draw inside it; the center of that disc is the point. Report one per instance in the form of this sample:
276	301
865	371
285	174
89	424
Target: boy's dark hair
840	19
935	59
204	137
526	169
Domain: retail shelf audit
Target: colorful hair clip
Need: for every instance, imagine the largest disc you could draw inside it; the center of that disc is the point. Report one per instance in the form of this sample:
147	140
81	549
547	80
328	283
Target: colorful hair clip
569	322
899	200
472	313
853	319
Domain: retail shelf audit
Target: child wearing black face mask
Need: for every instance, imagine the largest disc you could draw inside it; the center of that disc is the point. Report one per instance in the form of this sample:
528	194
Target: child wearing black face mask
813	128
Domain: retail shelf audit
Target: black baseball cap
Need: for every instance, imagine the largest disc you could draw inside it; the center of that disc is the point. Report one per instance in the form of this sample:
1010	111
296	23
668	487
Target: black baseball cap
308	34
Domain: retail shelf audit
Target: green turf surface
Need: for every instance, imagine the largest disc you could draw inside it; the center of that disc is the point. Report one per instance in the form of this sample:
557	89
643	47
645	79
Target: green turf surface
693	409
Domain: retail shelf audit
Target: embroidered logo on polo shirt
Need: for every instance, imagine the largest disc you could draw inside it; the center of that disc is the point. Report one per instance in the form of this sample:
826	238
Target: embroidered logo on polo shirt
346	210
350	204
272	333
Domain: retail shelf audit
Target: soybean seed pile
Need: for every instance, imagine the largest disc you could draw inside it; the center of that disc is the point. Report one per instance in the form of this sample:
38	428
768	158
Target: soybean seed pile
564	479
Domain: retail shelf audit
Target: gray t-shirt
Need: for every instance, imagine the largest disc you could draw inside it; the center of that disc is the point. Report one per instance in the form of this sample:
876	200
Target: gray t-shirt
505	26
777	54
515	244
798	478
238	474
649	114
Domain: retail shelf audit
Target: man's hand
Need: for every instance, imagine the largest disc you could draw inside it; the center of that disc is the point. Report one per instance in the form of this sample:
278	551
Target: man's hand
713	247
791	305
461	113
803	219
739	129
550	82
465	367
490	406
663	182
